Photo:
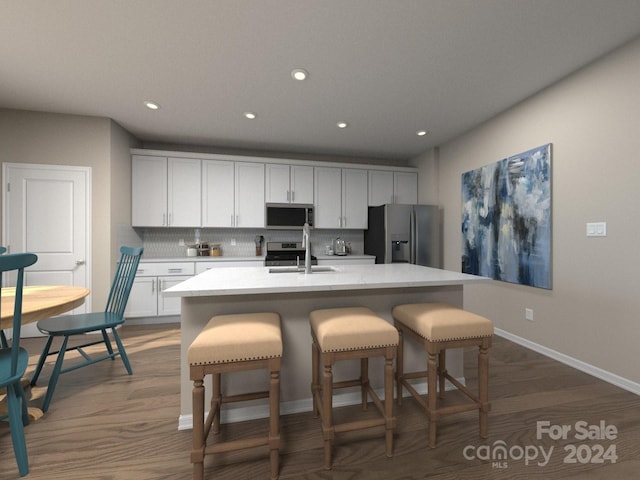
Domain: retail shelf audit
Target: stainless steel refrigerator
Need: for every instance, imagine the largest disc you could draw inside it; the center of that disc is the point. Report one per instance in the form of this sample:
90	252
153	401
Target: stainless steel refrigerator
404	234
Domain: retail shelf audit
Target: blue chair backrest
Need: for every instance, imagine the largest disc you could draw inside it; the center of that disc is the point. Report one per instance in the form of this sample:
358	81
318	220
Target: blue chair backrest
123	280
2	250
11	262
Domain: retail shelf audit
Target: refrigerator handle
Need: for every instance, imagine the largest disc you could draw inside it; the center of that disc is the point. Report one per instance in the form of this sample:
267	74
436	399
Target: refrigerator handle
413	238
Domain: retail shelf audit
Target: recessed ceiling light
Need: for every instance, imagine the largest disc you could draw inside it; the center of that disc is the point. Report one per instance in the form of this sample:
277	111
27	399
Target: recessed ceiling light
249	115
299	74
421	133
151	105
342	124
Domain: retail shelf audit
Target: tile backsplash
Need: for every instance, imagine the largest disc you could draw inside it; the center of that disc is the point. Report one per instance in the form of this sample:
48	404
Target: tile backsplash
239	242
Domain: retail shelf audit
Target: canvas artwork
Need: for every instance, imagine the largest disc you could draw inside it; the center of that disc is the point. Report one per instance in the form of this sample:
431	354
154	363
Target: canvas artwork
506	219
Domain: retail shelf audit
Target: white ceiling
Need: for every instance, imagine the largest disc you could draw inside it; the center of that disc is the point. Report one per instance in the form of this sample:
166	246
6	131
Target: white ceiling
387	67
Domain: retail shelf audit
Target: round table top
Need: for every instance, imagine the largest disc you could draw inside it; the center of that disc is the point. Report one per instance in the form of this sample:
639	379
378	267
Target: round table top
40	302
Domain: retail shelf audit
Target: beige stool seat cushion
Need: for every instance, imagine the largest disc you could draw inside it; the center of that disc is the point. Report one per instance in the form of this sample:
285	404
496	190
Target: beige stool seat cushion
236	338
439	322
352	328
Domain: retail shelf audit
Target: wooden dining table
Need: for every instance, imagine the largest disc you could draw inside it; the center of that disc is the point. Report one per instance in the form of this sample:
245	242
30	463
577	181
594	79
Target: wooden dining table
40	302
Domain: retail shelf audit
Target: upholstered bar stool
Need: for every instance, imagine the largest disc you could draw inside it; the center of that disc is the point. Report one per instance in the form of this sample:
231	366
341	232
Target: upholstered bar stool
231	343
438	327
345	334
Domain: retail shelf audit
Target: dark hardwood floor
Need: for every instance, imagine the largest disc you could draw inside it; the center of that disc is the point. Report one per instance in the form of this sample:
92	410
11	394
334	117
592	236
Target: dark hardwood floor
106	425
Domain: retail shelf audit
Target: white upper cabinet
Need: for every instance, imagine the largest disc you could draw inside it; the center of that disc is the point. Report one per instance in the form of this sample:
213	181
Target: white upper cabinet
165	192
354	198
340	198
232	194
288	184
392	187
249	195
405	187
380	187
183	192
173	189
218	193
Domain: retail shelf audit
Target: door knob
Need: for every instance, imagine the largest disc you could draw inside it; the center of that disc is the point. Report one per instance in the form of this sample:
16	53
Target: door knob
79	262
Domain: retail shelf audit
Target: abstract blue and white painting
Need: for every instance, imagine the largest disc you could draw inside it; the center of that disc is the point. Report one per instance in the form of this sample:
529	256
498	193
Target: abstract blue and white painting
506	219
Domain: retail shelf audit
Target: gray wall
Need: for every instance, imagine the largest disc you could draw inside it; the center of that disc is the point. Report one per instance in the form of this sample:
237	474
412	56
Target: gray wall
591	118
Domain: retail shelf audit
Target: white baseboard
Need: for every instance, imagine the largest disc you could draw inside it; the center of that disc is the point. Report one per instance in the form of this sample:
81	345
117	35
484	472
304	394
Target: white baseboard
608	377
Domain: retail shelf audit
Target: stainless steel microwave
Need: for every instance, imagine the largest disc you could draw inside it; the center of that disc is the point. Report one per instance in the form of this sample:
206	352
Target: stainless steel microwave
287	216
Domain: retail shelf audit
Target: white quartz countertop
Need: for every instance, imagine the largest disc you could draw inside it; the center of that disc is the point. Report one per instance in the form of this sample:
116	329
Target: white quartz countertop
258	280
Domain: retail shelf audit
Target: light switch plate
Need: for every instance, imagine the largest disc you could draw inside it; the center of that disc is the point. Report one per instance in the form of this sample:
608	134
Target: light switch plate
597	229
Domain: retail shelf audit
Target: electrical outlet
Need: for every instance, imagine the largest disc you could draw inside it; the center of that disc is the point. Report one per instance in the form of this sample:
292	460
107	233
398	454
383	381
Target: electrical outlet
181	242
528	314
233	242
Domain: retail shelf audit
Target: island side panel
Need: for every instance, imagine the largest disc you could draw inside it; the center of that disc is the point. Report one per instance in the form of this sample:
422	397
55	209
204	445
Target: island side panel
294	310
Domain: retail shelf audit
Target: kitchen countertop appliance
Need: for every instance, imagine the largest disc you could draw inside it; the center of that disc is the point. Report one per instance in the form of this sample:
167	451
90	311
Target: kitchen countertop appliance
339	247
286	254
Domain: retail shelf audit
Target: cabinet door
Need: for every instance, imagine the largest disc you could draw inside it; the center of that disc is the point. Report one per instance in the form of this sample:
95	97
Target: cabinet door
183	192
143	298
301	184
327	197
380	187
405	187
217	193
169	305
249	195
148	191
277	183
354	198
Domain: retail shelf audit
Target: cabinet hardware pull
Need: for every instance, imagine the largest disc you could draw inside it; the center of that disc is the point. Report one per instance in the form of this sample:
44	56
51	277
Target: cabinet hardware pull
175	270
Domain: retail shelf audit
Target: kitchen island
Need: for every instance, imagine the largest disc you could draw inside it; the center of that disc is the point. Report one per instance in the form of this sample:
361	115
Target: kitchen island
293	295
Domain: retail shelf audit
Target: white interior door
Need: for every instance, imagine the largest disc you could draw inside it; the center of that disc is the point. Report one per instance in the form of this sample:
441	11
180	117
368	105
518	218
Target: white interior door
46	212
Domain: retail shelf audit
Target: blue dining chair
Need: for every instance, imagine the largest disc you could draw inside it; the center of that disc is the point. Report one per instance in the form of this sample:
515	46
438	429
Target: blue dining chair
14	360
67	326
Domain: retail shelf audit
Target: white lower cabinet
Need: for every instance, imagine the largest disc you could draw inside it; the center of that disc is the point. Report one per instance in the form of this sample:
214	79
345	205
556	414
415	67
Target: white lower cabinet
146	299
143	299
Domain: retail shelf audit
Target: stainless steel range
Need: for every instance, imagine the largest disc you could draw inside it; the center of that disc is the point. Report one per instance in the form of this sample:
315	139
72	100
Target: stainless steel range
286	254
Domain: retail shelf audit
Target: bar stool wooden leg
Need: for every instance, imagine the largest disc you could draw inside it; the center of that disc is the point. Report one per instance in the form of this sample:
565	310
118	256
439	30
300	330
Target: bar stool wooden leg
327	412
315	377
432	396
442	371
197	453
274	423
388	402
364	379
216	401
400	367
483	390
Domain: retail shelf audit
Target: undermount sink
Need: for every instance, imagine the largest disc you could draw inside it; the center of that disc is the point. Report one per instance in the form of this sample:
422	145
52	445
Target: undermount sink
294	269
